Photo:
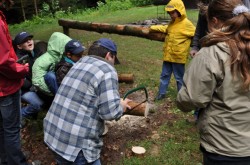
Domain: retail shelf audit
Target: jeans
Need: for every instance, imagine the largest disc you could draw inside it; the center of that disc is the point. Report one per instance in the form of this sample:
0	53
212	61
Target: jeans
167	69
34	104
80	160
10	147
216	159
50	80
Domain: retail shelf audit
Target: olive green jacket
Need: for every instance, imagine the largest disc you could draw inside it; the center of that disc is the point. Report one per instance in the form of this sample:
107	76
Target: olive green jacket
224	119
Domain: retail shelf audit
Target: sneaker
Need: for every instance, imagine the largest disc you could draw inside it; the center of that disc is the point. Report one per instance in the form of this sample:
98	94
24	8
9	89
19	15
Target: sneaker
160	97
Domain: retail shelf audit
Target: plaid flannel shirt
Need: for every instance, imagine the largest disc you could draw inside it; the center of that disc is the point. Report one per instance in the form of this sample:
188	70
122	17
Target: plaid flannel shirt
87	96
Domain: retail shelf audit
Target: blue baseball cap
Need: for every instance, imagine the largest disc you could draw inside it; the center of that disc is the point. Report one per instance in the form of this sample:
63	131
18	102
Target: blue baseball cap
21	37
110	45
74	47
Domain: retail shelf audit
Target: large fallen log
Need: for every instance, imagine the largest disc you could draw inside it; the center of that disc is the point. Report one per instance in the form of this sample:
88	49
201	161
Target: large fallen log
130	30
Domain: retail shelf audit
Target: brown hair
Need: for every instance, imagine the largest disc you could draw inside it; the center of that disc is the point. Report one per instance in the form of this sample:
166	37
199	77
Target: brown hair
235	32
202	6
98	50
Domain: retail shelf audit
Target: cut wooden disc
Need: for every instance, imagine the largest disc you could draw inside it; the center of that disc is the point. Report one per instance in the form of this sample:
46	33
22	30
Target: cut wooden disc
138	150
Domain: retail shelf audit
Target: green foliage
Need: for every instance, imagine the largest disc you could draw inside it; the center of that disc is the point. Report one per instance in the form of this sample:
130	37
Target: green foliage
114	5
141	2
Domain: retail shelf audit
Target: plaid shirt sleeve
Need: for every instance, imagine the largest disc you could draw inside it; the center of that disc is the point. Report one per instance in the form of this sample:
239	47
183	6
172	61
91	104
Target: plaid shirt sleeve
109	107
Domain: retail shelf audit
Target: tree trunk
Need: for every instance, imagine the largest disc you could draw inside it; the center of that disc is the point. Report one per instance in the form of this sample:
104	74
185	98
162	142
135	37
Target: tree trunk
130	30
35	6
23	12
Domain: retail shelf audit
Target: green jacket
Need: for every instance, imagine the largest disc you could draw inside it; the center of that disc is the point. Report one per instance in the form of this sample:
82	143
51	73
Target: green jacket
179	35
48	60
224	119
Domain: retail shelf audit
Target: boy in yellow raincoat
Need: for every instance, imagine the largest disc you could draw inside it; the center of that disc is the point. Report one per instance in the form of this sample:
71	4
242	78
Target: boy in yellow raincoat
179	32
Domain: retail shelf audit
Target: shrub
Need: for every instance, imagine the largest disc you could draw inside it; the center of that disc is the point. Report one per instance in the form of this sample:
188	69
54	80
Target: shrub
114	5
141	2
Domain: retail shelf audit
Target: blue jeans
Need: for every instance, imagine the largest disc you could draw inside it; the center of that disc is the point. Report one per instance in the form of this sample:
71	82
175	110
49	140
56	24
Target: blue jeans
10	147
216	159
34	104
50	80
80	160
167	69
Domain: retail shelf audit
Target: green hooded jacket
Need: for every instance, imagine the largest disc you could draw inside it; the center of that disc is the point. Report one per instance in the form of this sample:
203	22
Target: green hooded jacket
48	60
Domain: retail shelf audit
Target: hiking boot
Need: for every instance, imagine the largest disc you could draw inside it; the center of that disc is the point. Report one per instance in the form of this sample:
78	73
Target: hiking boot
160	97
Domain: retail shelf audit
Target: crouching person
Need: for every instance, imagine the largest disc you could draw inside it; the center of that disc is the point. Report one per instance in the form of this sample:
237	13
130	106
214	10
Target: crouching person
87	96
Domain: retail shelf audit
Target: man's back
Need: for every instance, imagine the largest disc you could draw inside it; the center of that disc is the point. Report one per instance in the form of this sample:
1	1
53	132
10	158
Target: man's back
87	96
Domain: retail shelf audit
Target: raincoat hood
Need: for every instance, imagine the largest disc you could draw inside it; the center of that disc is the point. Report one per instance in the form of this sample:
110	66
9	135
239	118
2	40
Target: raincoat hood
176	5
48	60
56	44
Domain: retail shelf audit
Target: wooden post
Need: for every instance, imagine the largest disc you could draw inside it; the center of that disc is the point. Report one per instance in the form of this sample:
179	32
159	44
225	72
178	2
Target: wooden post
66	30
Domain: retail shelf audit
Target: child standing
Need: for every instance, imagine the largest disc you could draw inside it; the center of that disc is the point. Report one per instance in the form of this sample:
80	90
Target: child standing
73	52
177	42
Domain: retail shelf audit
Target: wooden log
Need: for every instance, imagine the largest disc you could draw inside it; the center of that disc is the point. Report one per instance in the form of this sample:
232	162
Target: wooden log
130	30
140	109
127	78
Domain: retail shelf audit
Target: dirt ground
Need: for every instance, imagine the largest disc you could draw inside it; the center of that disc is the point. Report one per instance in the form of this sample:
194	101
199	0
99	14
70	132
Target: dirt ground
128	128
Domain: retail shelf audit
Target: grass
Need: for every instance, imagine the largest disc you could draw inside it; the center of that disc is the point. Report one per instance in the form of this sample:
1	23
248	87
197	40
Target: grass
178	143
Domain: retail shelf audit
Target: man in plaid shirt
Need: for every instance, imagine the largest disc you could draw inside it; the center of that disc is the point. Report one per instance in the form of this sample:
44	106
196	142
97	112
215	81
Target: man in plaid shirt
87	96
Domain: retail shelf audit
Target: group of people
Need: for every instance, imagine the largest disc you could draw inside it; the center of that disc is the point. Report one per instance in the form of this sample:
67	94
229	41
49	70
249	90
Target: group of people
85	93
86	87
216	83
42	81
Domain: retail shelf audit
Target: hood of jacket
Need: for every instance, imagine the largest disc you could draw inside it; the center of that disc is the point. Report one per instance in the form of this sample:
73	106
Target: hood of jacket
177	5
56	44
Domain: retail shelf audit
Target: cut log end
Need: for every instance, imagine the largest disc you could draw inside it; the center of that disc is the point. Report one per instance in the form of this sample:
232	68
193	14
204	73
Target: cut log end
146	110
137	150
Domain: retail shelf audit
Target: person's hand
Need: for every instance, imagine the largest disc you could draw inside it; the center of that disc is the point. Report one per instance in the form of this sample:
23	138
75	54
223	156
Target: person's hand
26	65
125	105
193	52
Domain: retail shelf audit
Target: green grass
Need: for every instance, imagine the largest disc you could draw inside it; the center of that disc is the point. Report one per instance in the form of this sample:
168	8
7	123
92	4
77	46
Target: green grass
178	143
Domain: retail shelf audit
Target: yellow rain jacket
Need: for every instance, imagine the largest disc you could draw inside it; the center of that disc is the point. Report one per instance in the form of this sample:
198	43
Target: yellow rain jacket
179	34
